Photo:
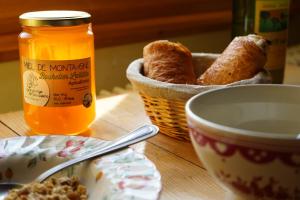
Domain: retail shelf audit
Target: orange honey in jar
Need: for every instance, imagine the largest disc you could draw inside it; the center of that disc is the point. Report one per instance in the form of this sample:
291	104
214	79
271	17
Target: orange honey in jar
57	71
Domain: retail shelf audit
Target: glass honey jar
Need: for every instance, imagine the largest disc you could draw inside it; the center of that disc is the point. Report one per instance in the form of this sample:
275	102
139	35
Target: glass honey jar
57	70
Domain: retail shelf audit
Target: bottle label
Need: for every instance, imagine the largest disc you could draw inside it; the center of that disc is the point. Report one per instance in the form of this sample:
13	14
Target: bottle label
271	22
57	83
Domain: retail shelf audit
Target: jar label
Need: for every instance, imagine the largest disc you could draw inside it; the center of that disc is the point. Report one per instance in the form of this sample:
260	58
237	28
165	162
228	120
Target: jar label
271	22
57	83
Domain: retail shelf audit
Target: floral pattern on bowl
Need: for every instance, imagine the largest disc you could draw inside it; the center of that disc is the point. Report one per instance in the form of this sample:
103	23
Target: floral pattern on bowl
122	175
250	171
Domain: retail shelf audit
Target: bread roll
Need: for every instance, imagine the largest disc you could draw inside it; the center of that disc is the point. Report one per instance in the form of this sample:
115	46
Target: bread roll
168	62
244	57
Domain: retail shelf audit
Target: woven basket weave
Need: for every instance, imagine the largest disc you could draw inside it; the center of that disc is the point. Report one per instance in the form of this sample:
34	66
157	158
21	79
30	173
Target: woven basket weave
165	102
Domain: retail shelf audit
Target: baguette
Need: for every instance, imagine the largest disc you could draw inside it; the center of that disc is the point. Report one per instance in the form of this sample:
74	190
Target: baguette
244	57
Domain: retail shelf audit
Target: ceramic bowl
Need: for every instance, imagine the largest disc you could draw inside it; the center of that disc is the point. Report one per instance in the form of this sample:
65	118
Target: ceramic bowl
125	175
248	138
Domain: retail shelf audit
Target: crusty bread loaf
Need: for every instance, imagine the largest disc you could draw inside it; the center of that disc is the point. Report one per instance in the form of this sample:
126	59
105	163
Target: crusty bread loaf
168	62
242	59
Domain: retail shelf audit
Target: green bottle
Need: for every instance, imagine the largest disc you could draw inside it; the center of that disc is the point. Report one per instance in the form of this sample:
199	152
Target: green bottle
268	18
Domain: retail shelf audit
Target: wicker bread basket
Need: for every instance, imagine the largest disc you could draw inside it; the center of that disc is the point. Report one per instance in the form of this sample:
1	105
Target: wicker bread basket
164	102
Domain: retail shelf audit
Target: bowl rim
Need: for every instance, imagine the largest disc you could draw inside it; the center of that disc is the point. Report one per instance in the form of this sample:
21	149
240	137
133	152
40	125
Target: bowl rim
238	131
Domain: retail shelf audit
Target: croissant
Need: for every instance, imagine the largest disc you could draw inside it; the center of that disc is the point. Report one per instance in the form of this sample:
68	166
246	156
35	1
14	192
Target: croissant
168	62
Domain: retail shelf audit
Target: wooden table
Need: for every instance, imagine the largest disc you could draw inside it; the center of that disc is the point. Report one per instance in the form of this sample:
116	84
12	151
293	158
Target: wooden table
183	175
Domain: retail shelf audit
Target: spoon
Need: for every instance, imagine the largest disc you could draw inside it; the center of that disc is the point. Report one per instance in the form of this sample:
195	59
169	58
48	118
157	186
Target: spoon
133	137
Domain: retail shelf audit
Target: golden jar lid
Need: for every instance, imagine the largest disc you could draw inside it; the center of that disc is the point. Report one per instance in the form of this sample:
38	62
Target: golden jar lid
55	18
